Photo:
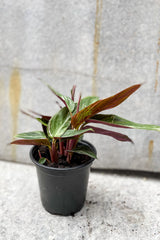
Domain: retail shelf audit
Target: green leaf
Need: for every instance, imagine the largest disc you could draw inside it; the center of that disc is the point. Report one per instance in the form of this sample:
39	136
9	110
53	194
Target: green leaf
102	105
42	160
66	100
59	123
73	132
85	150
31	135
116	121
84	103
42	121
87	101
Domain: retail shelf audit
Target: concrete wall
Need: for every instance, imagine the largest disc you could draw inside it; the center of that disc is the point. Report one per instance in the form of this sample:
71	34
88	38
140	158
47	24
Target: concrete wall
101	46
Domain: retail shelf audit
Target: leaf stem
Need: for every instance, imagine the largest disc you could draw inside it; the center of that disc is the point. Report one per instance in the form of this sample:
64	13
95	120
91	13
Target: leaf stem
53	152
73	92
78	103
40	156
61	145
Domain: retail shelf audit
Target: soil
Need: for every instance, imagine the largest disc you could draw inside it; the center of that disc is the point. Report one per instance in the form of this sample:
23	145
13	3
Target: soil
77	159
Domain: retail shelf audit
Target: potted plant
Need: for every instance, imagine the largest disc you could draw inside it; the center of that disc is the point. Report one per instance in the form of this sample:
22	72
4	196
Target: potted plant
61	157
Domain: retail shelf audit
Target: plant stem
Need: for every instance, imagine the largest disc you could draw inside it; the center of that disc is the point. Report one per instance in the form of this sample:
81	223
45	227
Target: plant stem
71	145
70	142
78	103
40	156
67	146
48	160
61	144
51	155
73	92
53	152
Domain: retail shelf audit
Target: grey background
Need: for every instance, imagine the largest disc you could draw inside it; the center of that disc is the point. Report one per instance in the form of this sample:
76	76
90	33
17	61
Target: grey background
101	46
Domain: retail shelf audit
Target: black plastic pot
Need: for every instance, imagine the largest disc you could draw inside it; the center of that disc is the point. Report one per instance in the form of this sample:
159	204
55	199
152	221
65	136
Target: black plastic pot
63	190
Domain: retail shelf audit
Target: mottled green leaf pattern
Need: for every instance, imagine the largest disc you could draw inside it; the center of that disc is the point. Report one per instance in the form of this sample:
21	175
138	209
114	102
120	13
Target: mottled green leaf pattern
117	121
73	132
59	123
87	101
85	150
42	160
31	135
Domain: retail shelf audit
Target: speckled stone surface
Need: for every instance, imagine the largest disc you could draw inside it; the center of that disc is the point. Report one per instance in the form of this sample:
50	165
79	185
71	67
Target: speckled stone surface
117	208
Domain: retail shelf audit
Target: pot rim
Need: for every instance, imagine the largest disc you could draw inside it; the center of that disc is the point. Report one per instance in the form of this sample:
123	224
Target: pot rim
66	168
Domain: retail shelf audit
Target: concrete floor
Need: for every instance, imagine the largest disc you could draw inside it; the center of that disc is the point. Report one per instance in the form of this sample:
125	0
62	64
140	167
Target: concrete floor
118	207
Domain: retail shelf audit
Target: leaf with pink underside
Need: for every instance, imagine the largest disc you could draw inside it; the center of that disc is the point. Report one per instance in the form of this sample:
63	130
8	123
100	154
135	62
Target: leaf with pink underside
115	135
102	105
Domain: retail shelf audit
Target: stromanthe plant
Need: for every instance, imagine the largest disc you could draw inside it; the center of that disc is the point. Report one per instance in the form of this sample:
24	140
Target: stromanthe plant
62	131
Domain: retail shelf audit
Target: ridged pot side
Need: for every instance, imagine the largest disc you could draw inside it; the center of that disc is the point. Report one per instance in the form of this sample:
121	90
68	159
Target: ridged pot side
63	190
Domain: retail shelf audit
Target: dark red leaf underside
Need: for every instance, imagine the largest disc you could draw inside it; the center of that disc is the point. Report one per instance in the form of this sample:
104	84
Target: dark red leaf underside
31	142
117	136
44	117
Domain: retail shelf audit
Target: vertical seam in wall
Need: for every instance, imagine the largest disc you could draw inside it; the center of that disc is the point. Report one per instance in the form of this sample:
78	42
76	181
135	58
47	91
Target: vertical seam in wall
150	151
96	45
14	96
